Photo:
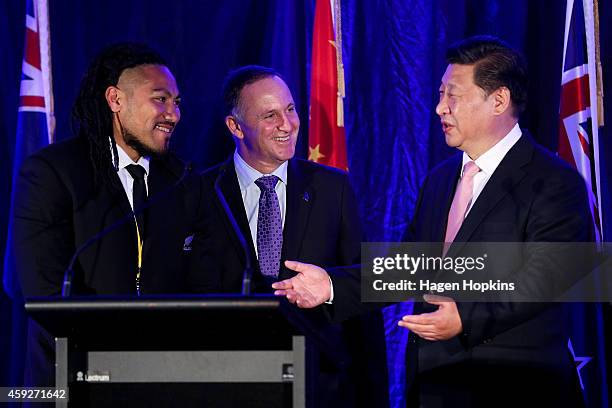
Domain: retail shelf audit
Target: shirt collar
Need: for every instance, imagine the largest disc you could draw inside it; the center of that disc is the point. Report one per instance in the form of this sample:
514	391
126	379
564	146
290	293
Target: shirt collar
489	160
124	160
247	174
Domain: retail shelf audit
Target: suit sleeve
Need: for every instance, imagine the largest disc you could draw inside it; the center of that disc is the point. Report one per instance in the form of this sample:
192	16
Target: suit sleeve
346	279
43	239
351	233
559	213
411	232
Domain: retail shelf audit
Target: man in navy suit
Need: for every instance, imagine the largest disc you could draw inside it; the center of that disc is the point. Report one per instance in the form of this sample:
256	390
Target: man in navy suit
67	193
502	187
287	209
316	205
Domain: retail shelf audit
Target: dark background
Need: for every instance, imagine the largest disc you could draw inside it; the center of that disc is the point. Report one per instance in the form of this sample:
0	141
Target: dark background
393	56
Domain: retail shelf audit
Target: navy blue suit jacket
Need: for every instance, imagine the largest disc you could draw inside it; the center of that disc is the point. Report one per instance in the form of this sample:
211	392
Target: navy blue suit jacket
322	227
57	209
532	197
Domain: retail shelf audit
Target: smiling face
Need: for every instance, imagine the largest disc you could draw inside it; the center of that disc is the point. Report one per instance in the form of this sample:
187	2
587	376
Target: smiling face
146	106
465	111
266	125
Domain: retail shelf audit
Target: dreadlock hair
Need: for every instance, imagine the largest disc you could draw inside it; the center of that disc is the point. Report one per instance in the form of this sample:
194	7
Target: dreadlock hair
92	119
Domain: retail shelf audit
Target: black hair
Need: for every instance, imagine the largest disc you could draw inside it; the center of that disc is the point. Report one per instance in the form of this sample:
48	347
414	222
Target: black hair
237	79
496	64
92	118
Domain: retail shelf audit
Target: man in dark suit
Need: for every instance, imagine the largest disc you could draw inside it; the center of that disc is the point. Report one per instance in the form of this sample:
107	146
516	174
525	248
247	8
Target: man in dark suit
67	193
503	187
306	212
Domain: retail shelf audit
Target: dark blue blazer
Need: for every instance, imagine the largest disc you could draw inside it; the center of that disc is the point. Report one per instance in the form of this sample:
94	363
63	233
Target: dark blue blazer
57	209
322	227
532	197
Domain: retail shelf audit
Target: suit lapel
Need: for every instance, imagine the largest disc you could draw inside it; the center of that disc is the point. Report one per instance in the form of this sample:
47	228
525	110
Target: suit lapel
447	192
162	175
300	198
119	195
119	202
505	178
157	179
231	191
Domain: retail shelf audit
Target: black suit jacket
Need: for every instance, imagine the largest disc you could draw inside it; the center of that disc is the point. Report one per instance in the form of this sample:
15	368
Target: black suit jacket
322	227
532	197
57	209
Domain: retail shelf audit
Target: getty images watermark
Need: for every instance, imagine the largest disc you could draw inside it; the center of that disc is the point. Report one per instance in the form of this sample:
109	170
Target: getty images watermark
487	272
411	264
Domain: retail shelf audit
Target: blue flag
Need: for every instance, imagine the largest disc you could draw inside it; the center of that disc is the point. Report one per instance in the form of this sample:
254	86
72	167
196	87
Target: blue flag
579	146
35	122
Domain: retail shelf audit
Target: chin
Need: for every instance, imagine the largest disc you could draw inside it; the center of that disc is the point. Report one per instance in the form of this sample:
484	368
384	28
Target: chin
147	146
452	141
159	151
286	155
151	151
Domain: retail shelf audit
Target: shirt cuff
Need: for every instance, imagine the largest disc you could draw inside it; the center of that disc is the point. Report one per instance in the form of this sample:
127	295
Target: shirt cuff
331	288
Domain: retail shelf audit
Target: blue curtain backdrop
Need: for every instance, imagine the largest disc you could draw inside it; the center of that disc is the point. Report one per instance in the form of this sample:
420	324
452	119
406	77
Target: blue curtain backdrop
393	55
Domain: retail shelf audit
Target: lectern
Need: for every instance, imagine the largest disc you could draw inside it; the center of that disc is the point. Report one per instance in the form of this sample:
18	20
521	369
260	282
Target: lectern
202	351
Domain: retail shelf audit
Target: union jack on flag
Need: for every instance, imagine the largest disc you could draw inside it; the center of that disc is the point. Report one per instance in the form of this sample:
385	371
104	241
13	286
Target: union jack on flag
579	146
35	92
578	124
35	122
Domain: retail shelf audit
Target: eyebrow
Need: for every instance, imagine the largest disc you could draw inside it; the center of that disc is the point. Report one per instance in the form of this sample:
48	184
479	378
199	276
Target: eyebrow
451	86
291	104
268	112
165	91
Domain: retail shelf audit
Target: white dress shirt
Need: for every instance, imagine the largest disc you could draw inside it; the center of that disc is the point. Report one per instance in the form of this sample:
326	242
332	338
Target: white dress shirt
250	197
127	181
489	161
251	192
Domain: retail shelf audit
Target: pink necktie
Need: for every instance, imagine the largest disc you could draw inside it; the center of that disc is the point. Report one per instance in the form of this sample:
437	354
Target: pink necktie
461	201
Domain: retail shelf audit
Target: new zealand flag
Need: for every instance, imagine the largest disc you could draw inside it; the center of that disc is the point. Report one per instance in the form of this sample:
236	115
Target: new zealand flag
35	121
579	146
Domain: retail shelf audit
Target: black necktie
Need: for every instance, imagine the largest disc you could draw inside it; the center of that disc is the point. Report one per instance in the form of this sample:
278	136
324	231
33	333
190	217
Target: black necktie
139	194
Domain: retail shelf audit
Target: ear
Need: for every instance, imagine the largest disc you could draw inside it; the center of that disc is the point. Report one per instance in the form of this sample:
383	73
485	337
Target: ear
232	124
114	98
502	100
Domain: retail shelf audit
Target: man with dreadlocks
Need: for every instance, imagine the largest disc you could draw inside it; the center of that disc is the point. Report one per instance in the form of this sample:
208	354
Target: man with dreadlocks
85	187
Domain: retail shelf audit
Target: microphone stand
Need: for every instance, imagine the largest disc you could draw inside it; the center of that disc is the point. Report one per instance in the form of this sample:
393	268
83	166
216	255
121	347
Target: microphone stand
247	274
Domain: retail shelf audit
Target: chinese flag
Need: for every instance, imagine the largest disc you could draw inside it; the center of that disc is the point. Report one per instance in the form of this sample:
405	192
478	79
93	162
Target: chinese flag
326	138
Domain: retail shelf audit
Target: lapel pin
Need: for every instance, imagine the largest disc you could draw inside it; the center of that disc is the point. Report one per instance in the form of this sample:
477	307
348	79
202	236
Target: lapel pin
306	197
187	244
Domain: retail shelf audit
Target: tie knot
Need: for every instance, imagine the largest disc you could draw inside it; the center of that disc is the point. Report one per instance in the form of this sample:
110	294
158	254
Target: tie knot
136	171
470	169
266	183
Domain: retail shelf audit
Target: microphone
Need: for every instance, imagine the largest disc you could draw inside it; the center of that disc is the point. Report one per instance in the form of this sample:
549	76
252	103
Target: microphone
247	274
69	273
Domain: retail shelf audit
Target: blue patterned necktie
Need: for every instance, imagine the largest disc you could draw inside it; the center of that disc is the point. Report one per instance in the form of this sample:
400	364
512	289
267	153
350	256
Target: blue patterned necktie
269	227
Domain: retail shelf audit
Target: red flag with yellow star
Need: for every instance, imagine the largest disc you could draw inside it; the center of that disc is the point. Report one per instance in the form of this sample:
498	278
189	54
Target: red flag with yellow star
326	137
